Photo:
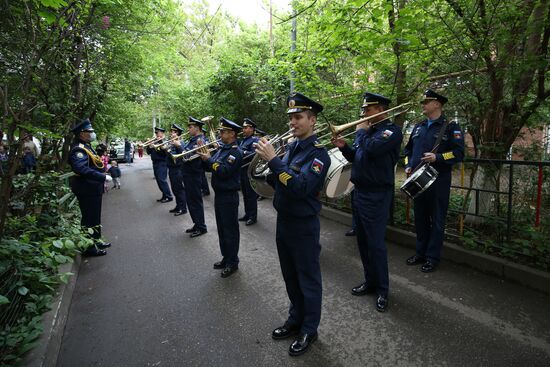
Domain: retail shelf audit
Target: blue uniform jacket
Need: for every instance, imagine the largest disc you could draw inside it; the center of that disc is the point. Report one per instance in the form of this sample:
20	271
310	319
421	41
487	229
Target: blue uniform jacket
157	154
89	170
422	140
374	155
195	166
225	167
299	177
248	148
174	150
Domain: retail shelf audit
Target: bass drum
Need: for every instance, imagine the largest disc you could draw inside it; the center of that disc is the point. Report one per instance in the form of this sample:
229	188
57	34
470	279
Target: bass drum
258	171
337	182
419	181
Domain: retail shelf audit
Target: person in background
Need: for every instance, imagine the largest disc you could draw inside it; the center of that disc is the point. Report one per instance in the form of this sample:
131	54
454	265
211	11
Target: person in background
3	159
29	160
140	150
127	149
115	173
158	158
250	198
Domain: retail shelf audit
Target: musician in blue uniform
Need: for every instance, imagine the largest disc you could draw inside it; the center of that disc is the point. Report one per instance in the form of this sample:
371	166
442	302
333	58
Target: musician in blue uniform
374	154
158	157
225	166
192	179
175	170
430	207
298	177
88	183
250	198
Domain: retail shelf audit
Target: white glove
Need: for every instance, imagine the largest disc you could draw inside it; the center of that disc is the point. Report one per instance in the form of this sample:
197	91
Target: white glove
108	178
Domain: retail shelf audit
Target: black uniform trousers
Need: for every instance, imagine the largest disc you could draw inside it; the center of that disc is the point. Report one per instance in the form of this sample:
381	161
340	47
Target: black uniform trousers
250	197
371	211
299	249
204	184
193	193
430	214
160	170
176	183
226	206
90	207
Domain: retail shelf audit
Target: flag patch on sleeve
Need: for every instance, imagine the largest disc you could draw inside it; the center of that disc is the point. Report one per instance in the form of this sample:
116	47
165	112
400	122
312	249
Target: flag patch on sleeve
317	166
387	133
231	158
457	134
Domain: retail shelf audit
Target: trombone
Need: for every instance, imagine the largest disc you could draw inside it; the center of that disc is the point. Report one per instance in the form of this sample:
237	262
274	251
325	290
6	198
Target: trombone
150	141
336	130
211	146
168	141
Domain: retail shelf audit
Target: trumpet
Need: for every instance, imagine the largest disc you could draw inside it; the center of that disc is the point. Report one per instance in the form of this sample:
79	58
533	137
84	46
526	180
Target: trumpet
210	147
167	142
150	141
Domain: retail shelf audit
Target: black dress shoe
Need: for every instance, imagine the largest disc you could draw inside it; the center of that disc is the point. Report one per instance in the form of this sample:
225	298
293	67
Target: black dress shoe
161	199
103	245
197	233
260	198
362	289
180	212
176	209
428	267
228	270
251	222
166	200
415	260
301	344
93	251
219	265
381	303
191	230
285	331
243	219
350	233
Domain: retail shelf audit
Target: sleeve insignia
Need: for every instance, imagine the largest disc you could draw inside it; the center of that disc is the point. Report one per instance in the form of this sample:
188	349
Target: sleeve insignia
387	133
457	134
284	177
231	158
79	155
317	166
406	160
215	166
448	155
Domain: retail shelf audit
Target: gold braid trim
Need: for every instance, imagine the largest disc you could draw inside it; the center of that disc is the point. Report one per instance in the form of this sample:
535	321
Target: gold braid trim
96	160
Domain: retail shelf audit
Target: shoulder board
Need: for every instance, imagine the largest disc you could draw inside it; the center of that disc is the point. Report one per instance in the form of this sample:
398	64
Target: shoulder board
234	146
80	145
317	144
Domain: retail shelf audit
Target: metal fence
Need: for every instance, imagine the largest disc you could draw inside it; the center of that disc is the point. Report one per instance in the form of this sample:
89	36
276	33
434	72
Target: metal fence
507	214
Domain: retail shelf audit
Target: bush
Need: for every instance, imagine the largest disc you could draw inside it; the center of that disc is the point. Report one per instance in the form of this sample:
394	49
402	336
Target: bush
43	232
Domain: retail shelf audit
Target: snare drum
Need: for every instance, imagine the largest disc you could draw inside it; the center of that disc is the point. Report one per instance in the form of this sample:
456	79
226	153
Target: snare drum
419	181
337	182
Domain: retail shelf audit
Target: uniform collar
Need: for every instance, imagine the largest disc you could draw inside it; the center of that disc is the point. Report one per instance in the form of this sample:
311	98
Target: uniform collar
382	125
309	141
439	120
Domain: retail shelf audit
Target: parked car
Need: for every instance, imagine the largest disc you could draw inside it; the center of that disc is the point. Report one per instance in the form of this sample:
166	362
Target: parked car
116	151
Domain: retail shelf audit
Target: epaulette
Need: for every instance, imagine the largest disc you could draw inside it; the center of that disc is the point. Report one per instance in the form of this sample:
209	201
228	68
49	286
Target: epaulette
317	144
234	146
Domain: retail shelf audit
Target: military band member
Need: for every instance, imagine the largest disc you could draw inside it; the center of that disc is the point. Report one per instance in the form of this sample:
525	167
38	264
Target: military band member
298	178
374	155
250	198
192	179
205	189
158	157
430	207
175	168
88	183
225	166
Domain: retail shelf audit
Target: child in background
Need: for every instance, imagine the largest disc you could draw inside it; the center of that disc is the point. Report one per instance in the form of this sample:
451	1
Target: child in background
29	160
114	171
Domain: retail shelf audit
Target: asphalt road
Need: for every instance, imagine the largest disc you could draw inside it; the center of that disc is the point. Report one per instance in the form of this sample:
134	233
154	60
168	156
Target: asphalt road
155	300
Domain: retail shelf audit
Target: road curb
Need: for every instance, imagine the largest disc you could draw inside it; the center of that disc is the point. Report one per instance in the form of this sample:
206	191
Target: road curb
521	274
46	350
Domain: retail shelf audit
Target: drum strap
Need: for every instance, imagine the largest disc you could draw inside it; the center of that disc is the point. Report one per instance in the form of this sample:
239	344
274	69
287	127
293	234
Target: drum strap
440	136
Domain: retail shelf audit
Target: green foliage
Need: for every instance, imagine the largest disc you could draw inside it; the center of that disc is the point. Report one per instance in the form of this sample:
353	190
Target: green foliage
42	235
